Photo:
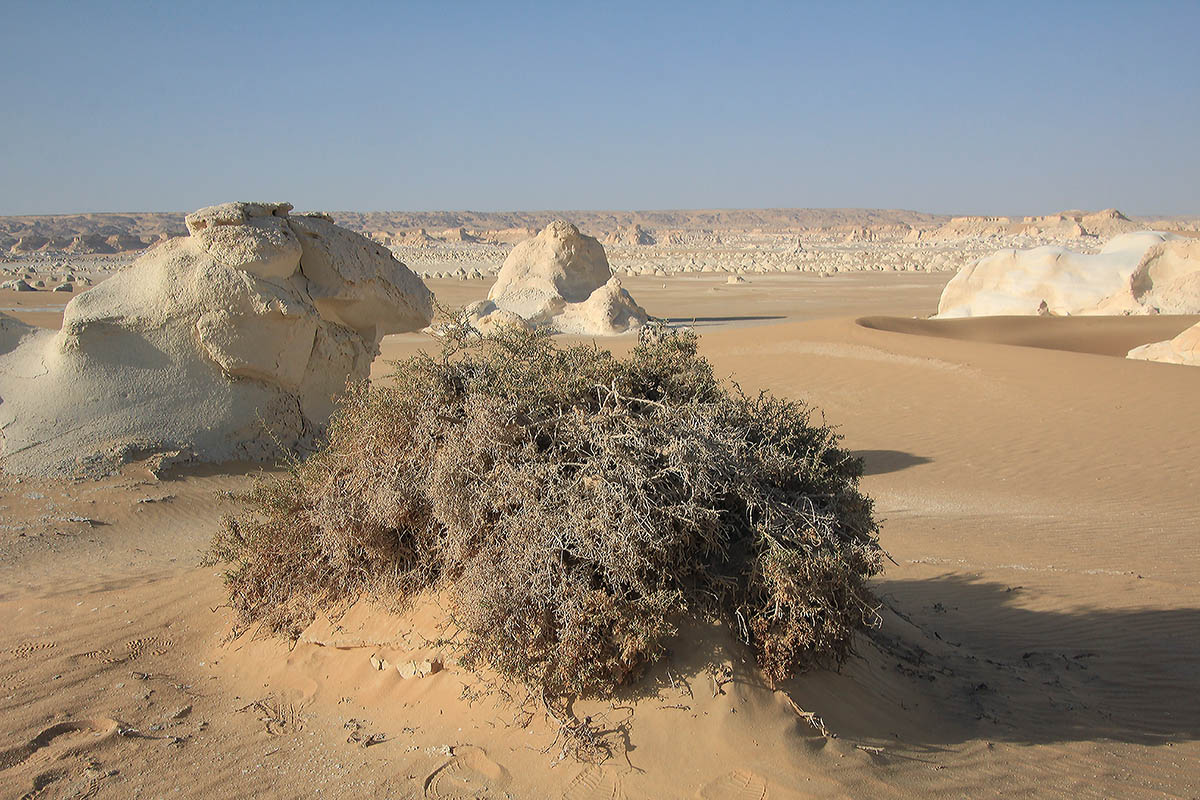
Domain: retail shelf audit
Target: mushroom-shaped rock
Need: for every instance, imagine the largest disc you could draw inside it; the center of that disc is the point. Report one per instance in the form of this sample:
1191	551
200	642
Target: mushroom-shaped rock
354	282
220	345
561	278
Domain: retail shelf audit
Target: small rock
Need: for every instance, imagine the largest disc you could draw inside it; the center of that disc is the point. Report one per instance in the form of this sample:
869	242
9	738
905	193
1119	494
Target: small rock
418	669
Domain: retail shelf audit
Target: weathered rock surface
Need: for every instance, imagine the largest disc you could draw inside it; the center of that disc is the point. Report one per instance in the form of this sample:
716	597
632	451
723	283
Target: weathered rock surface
221	345
1167	279
561	279
1134	273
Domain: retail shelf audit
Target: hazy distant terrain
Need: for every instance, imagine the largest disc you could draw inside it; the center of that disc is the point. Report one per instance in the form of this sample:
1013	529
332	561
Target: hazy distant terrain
151	225
57	232
471	244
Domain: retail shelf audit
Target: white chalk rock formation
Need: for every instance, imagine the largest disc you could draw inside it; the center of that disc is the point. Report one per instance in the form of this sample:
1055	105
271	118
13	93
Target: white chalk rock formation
488	319
1183	349
1135	273
220	345
1166	280
560	279
630	236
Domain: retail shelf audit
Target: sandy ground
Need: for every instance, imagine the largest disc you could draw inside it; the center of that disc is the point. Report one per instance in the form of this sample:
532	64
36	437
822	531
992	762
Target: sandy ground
1039	627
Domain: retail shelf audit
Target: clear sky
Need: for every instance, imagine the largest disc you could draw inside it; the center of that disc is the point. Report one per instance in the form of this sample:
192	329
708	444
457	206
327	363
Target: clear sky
964	107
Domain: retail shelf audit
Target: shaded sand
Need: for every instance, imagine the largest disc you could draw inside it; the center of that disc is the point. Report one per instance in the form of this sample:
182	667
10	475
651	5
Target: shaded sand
1109	336
1038	638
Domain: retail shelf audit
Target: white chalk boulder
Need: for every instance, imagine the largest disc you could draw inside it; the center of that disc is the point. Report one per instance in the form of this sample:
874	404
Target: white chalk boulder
1183	349
224	344
561	279
1135	273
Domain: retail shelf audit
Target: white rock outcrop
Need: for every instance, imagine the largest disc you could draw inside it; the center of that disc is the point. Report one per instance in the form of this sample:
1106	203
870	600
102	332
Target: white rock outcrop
1183	349
1166	280
561	279
1135	273
224	344
630	236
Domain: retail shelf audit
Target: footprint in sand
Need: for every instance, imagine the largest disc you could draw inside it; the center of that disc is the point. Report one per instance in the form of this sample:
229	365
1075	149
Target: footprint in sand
154	645
29	648
66	736
85	785
594	783
468	775
737	785
41	781
103	656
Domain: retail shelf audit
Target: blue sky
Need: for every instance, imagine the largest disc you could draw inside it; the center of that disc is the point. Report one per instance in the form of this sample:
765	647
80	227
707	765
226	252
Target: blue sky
957	107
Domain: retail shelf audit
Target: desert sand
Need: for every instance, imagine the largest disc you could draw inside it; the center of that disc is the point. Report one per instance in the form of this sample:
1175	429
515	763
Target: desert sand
1038	491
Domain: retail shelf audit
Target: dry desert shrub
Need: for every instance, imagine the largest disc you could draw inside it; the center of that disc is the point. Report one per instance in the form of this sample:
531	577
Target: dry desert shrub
569	505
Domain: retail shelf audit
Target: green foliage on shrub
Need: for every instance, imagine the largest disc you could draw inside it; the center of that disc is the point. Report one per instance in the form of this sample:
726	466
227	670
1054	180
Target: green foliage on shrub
568	505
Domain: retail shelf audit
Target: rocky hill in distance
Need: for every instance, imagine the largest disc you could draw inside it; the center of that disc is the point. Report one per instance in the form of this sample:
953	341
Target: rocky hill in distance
95	232
466	244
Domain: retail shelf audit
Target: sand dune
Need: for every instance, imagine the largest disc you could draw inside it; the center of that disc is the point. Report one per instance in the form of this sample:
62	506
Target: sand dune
1038	635
1109	336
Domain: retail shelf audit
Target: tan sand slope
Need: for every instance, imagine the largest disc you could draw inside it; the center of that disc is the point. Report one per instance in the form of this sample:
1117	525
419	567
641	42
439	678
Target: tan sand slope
1110	336
1037	640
